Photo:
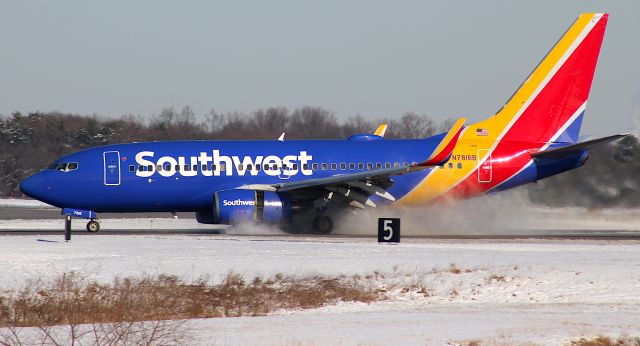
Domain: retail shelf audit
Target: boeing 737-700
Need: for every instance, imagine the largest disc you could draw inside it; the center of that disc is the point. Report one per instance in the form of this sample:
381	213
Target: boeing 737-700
308	184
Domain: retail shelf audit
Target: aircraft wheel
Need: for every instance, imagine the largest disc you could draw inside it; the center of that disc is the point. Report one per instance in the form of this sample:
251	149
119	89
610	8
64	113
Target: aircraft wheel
323	224
93	226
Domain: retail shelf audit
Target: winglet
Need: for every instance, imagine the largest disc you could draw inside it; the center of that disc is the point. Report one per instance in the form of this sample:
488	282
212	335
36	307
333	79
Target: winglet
381	130
445	148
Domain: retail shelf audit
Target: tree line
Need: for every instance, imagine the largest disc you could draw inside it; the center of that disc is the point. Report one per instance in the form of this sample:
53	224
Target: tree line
29	142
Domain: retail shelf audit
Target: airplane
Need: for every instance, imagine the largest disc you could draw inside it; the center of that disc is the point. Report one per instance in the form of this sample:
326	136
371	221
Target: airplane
307	185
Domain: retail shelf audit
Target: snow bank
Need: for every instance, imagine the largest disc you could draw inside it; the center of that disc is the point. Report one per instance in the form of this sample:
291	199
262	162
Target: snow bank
505	291
23	203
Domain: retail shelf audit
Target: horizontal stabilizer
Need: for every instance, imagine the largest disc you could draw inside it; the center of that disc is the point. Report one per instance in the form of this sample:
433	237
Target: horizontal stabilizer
575	148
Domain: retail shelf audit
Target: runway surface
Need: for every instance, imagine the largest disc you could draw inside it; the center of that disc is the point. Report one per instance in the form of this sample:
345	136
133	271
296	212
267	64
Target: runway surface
536	234
17	220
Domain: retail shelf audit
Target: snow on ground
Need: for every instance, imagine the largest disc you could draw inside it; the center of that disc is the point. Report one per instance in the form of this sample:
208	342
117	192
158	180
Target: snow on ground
506	291
111	224
23	203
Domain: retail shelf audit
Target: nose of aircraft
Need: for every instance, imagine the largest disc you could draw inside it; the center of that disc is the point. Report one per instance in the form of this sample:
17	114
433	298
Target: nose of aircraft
32	186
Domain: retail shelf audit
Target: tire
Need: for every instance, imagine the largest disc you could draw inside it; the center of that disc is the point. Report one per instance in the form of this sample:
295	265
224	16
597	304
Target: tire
93	226
323	224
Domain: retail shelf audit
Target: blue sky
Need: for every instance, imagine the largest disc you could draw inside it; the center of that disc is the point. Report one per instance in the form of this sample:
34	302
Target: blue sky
373	58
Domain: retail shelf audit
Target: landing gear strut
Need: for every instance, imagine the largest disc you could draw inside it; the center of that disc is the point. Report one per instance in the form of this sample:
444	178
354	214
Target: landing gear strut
93	226
67	228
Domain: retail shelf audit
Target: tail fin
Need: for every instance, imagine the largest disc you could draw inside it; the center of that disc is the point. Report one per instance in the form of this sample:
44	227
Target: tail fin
549	105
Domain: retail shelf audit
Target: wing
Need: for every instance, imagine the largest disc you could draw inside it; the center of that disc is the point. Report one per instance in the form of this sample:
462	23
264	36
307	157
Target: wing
359	186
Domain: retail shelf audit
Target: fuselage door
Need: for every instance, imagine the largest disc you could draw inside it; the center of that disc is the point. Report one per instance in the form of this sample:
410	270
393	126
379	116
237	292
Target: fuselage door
485	171
111	168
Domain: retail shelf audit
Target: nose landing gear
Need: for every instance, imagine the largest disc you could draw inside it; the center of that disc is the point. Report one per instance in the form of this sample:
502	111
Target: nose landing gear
93	226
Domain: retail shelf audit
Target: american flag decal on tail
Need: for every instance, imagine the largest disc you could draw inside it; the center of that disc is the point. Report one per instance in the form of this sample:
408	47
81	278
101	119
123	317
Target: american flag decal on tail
482	132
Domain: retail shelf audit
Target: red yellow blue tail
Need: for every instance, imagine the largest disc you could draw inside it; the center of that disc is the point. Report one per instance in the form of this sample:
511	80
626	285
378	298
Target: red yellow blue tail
546	109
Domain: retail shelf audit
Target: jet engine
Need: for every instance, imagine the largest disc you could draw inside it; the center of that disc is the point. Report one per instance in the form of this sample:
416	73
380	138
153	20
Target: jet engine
234	206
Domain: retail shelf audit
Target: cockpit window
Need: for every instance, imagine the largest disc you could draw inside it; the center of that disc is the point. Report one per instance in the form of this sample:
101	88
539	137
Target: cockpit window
64	166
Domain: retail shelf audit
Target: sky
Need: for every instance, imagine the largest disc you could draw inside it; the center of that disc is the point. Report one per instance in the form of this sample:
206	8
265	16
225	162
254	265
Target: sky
377	59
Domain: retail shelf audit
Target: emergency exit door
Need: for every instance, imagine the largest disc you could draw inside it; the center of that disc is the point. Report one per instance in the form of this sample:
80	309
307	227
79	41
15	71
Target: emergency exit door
485	170
111	168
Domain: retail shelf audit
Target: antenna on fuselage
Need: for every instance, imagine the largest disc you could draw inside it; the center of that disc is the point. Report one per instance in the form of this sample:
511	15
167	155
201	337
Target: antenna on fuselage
281	138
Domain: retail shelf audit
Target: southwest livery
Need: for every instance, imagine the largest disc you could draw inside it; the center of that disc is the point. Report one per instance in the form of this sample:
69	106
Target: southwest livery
302	184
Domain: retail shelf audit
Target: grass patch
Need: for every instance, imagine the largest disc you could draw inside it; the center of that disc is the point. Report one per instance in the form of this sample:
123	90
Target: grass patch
153	310
72	299
606	341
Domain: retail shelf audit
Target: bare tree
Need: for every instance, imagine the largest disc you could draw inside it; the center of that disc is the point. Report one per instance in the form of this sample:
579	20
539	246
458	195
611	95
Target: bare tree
313	122
412	125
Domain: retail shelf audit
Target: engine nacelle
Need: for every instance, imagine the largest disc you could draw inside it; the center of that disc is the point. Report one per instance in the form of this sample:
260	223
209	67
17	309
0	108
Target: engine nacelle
233	206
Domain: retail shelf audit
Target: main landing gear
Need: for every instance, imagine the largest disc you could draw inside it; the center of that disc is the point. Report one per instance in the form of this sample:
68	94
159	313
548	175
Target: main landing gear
323	224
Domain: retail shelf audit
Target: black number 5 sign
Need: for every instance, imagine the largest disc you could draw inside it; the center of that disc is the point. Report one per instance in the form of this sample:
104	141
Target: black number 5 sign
388	230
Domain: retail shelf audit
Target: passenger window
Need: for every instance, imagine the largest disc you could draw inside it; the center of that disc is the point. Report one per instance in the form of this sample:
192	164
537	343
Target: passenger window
405	164
343	166
369	166
223	167
387	165
187	168
195	167
213	167
378	165
274	167
352	166
295	166
249	168
334	166
150	168
257	167
177	167
159	168
305	166
140	168
450	165
324	166
204	168
167	167
360	165
396	164
315	166
132	168
459	165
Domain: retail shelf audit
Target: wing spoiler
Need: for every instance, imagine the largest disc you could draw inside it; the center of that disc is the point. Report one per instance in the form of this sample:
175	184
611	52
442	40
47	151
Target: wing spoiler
575	148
